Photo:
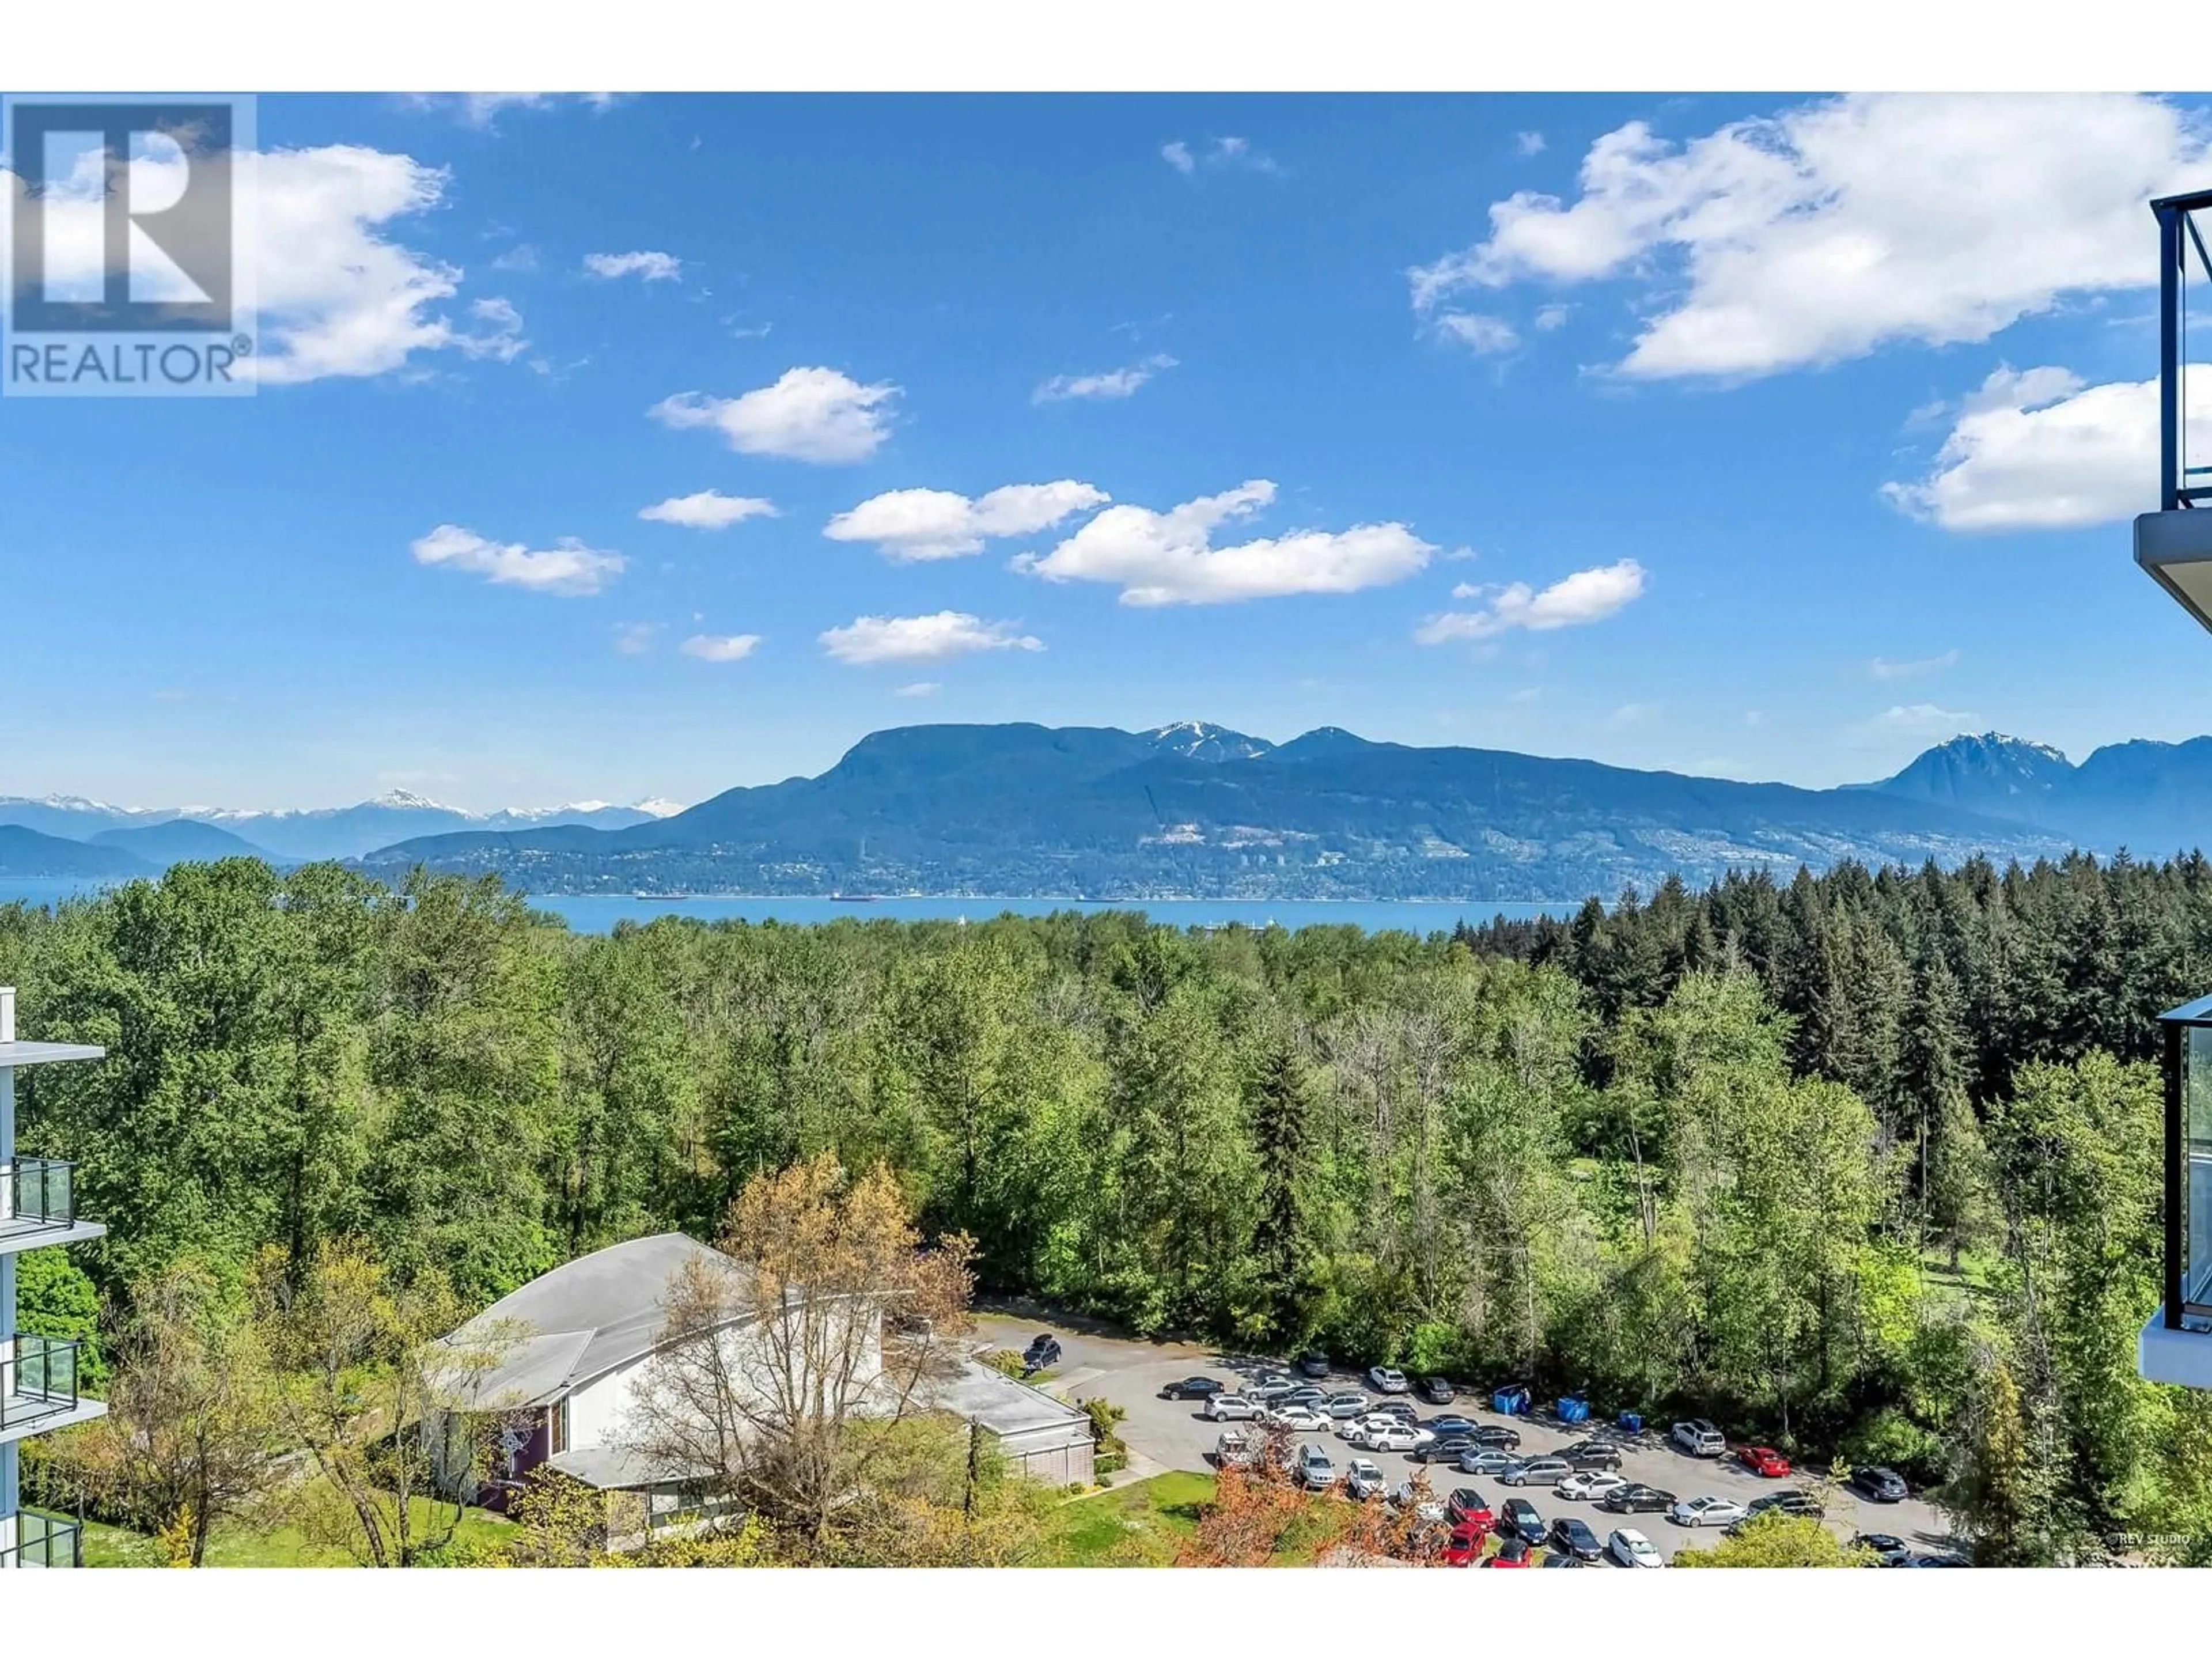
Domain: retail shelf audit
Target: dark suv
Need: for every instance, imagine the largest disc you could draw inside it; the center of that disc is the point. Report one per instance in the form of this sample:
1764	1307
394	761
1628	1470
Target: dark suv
1881	1485
1436	1391
1593	1454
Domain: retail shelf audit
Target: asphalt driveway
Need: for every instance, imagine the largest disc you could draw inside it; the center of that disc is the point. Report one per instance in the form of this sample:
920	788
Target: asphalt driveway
1172	1434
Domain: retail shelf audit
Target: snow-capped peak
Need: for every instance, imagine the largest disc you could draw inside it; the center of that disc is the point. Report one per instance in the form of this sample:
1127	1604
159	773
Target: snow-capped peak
407	799
659	807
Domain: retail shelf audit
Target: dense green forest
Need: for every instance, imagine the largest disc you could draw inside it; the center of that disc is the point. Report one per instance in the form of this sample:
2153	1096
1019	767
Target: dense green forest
1867	1164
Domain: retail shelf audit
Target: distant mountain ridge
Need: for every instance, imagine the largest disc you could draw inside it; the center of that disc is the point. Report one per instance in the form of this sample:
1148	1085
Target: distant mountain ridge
2155	799
1200	811
298	835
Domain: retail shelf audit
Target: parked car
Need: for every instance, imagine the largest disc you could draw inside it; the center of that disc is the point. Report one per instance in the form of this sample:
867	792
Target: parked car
1398	1407
1466	1507
1519	1519
1593	1454
1348	1404
1699	1439
1706	1512
1557	1558
1363	1480
1634	1498
1270	1387
1537	1472
1043	1352
1395	1436
1795	1502
1591	1486
1436	1390
1632	1549
1572	1538
1313	1363
1763	1461
1464	1547
1495	1434
1192	1388
1883	1485
1888	1549
1356	1431
1317	1473
1297	1418
1235	1449
1231	1408
1475	1460
1384	1380
1452	1423
1943	1559
1510	1553
1314	1398
1427	1508
1443	1449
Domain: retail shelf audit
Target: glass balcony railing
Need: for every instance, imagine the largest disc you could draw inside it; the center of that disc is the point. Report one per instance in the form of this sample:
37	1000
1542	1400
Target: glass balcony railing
37	1379
45	1541
37	1192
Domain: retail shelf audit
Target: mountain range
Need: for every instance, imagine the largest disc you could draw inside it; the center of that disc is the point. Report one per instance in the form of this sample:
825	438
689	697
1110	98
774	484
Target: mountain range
1197	810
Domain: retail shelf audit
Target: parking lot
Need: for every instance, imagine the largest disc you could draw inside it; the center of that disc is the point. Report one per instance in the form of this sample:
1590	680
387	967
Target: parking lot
1174	1434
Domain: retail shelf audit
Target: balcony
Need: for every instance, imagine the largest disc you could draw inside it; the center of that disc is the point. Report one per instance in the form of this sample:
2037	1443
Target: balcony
39	1385
42	1540
37	1204
2176	1346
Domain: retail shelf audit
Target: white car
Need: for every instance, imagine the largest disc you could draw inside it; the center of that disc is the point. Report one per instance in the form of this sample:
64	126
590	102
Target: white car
1630	1548
1362	1479
1706	1512
1396	1436
1591	1485
1384	1380
1299	1418
1431	1508
1232	1407
1359	1428
1235	1449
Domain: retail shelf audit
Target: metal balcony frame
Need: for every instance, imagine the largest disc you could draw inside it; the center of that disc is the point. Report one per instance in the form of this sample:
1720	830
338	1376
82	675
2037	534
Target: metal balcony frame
46	1402
43	1218
53	1527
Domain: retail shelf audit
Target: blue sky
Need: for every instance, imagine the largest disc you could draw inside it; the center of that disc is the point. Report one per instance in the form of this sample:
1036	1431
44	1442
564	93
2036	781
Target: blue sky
1773	438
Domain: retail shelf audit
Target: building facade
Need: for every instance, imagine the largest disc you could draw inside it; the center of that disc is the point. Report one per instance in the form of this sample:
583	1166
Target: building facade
38	1376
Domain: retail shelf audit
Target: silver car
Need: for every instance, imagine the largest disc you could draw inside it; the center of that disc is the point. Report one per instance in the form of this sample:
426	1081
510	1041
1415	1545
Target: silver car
1479	1461
1231	1408
1536	1472
1345	1405
1315	1472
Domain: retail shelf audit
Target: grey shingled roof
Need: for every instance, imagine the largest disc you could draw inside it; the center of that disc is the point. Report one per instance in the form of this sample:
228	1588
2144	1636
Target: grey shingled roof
567	1326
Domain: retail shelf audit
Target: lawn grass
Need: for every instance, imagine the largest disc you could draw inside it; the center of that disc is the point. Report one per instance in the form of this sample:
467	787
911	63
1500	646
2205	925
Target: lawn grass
1142	1524
236	1544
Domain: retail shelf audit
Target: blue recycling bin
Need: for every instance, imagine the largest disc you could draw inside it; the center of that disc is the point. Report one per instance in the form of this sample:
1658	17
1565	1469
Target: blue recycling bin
1511	1401
1573	1408
1631	1422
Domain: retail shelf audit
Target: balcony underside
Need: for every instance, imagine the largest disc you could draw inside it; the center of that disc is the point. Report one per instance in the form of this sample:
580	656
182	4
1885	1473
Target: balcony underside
21	1418
2183	1357
16	1236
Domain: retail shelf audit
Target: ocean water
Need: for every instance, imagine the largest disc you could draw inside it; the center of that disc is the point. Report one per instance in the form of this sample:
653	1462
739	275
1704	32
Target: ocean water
598	912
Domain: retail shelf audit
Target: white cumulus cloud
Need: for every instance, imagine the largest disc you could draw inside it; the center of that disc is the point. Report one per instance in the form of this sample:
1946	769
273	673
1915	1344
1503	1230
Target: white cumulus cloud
567	568
708	509
809	415
1587	596
912	525
1839	226
1169	558
869	639
720	647
2038	449
1484	335
646	265
1112	383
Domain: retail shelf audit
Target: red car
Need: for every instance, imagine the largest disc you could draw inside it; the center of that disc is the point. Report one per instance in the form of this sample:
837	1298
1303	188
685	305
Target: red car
1464	1547
1511	1553
1765	1460
1466	1508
